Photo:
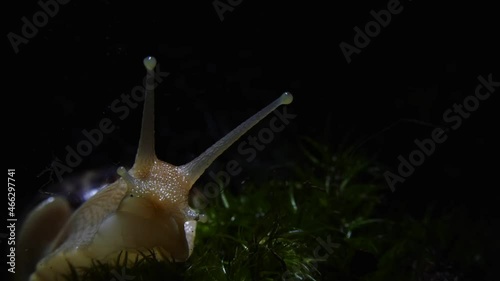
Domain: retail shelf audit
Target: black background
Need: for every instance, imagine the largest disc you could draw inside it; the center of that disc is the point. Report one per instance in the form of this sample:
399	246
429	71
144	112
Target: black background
428	58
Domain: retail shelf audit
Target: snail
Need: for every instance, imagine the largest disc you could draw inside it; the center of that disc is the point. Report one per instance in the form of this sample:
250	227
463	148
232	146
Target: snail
145	209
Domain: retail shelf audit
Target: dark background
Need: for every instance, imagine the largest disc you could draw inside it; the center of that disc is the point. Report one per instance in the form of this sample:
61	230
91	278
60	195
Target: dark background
428	58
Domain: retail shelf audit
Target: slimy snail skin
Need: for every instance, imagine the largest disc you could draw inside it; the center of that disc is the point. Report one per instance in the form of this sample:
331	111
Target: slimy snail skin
146	209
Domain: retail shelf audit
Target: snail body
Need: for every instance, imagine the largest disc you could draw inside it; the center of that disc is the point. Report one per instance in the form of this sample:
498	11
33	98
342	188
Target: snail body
146	209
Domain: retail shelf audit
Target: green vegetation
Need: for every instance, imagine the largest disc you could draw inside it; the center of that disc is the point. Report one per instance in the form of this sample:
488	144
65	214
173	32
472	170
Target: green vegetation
326	220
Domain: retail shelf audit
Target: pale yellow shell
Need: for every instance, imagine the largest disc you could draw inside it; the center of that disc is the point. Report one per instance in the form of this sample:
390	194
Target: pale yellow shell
146	209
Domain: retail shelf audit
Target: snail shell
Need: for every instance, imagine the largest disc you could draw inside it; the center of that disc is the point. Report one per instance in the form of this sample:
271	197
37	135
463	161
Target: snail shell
146	209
